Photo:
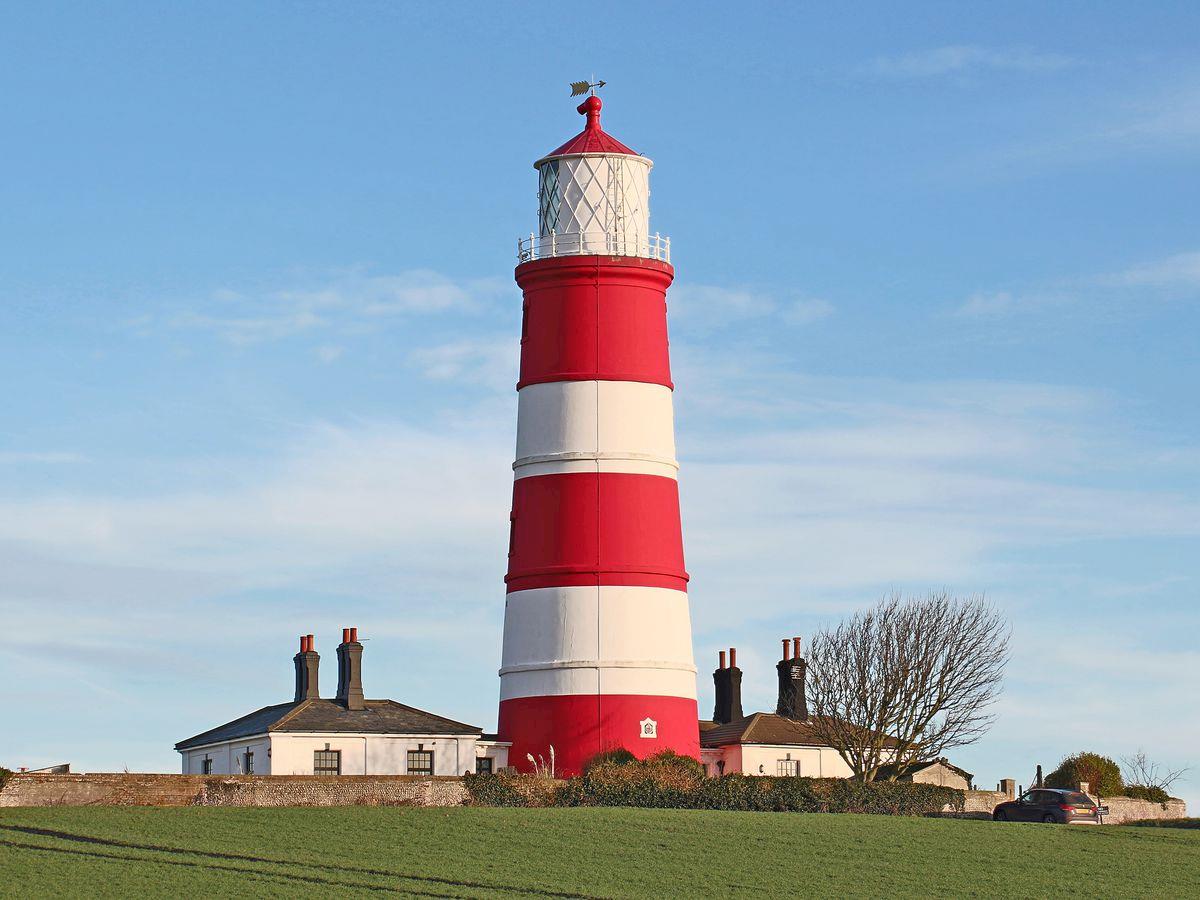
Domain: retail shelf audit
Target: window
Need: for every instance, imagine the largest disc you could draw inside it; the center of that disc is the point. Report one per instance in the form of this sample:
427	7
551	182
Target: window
327	762
512	531
788	767
248	763
206	766
548	197
483	765
420	762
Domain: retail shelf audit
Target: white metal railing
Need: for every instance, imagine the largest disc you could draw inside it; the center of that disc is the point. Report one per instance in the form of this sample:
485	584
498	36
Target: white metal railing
592	243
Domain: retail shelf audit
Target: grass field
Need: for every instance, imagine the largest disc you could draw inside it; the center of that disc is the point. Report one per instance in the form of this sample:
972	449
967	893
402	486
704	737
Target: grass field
111	852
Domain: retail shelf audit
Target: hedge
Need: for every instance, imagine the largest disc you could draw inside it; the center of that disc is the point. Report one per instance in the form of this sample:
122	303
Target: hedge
1165	823
510	789
1102	774
672	782
1146	792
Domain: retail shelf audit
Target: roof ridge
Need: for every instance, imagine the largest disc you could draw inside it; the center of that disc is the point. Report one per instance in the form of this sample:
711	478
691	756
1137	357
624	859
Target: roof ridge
755	718
426	712
291	712
208	731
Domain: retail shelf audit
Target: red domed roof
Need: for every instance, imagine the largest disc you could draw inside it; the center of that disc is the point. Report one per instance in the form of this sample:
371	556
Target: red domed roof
593	138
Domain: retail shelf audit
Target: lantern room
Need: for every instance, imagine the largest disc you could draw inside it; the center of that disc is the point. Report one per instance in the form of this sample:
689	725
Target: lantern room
593	198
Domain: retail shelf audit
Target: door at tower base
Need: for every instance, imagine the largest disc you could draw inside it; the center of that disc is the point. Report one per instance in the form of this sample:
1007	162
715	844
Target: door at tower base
582	725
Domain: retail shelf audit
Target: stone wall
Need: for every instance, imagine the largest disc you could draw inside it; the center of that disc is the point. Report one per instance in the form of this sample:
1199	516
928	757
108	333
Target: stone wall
1127	809
979	804
103	789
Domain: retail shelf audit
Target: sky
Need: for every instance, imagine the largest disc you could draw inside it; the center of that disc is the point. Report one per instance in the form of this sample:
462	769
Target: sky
934	325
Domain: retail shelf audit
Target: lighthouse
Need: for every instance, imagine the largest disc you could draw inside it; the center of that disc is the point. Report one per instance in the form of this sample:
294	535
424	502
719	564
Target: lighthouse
597	648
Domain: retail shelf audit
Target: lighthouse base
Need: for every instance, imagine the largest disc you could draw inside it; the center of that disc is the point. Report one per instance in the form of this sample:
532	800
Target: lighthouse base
582	725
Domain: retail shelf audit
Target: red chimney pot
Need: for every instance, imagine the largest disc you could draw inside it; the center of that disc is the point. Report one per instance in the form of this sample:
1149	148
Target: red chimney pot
733	657
354	635
786	656
795	648
345	635
721	656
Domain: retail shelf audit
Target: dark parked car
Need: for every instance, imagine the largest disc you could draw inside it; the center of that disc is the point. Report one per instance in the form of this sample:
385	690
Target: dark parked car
1050	805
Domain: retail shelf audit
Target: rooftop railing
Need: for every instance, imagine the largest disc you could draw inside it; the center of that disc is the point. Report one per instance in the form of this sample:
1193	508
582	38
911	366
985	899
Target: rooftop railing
593	243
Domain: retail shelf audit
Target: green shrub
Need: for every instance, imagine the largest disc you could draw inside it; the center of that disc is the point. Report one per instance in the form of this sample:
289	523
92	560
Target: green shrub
664	780
5	774
1101	773
617	757
1166	823
1147	792
510	789
670	781
673	782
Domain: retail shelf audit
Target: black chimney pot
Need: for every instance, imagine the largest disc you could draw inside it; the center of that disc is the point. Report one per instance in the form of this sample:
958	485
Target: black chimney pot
793	699
728	683
307	663
349	653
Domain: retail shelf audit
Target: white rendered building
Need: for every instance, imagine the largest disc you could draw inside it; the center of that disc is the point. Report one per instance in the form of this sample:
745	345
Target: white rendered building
780	743
348	735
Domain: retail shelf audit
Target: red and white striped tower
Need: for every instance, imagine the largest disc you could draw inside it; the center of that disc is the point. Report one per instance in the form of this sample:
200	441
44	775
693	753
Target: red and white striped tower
597	636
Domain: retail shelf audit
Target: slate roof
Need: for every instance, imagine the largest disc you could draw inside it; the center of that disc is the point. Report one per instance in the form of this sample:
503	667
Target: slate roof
762	728
914	768
379	717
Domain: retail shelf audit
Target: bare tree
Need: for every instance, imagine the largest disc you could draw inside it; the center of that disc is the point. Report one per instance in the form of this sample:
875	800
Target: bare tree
1139	769
906	680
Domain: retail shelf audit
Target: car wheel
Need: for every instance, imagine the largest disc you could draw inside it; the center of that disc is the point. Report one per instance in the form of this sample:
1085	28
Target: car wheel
1000	816
1049	819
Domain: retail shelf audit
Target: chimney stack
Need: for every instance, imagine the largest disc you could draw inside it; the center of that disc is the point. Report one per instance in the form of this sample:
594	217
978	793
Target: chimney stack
349	653
728	683
307	662
792	669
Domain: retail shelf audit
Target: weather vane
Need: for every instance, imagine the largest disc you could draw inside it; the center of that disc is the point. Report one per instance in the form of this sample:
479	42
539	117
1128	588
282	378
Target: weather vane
582	87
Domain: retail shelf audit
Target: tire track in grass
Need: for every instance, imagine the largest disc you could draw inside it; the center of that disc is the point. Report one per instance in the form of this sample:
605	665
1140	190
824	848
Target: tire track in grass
241	857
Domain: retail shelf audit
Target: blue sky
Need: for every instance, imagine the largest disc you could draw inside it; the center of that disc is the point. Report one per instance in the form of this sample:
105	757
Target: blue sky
935	325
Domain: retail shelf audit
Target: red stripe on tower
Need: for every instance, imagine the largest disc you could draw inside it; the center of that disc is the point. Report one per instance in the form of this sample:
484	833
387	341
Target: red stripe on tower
597	635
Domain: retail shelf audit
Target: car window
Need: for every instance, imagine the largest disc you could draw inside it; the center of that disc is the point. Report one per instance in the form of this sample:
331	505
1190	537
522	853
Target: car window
1041	798
1027	797
1077	798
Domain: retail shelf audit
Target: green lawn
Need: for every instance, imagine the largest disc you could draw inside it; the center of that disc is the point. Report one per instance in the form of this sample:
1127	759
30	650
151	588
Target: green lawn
123	852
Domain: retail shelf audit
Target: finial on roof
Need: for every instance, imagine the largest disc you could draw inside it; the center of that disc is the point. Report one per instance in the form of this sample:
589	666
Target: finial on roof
591	108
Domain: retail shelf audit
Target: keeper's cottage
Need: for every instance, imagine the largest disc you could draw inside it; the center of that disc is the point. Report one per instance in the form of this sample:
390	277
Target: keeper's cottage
348	735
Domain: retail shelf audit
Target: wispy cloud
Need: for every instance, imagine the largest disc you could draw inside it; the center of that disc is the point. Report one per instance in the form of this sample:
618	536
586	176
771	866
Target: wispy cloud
705	307
1167	116
1163	278
1179	271
330	353
1163	120
337	495
347	303
961	58
996	304
491	361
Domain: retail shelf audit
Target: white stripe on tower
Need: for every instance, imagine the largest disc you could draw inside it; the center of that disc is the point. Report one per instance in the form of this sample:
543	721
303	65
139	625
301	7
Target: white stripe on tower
595	426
